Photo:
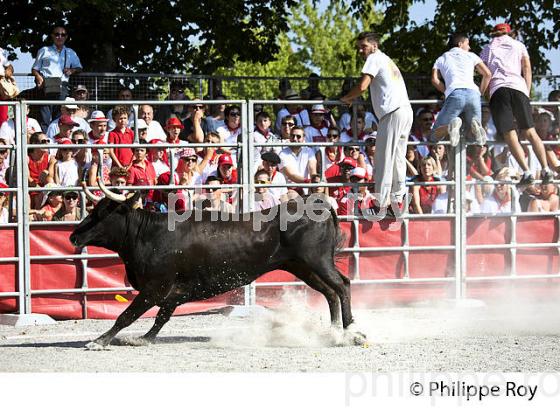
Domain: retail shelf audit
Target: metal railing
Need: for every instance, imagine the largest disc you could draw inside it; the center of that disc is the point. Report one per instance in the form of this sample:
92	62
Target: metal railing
246	147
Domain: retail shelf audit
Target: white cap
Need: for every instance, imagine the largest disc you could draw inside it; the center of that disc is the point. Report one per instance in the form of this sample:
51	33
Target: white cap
70	106
141	124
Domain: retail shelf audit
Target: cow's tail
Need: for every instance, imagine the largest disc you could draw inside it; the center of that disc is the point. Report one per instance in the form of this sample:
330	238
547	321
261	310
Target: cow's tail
340	237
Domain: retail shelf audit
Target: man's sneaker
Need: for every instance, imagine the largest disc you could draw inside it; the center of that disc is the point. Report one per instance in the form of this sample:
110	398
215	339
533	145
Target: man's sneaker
526	179
478	132
547	177
454	130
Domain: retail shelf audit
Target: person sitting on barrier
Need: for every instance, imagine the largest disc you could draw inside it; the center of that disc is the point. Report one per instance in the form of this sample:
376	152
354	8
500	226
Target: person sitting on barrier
231	132
52	202
424	196
70	209
65	171
298	163
501	198
4	202
333	155
462	95
146	112
121	134
547	201
270	161
263	198
439	154
38	163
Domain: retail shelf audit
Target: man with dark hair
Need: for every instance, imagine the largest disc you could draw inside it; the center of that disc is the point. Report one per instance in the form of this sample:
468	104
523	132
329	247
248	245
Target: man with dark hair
510	87
52	70
462	96
392	107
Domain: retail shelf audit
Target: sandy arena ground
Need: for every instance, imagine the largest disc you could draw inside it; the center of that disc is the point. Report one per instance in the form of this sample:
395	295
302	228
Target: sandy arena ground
509	337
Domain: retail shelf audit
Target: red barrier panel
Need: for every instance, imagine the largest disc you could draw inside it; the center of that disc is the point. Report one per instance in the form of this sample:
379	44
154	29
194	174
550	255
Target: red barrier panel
109	273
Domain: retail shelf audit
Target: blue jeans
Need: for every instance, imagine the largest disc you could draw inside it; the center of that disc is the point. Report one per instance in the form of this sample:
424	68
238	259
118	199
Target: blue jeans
461	101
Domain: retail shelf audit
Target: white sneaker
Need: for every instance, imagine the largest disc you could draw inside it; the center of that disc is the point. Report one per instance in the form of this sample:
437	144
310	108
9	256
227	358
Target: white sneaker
479	133
454	130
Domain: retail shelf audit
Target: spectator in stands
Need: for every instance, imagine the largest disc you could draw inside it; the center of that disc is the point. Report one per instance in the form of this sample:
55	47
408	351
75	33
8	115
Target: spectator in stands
270	161
98	124
212	154
6	70
124	94
312	91
345	121
439	154
529	157
359	134
141	171
52	202
214	199
286	125
412	162
423	197
341	173
500	200
69	110
38	162
544	127
263	198
65	127
174	128
297	162
488	123
547	201
321	190
333	155
8	133
70	211
263	135
296	110
422	130
217	115
317	130
81	93
4	161
176	93
188	171
158	157
231	132
356	154
510	88
65	171
479	161
369	157
195	126
146	112
462	96
107	166
52	70
364	197
121	134
4	201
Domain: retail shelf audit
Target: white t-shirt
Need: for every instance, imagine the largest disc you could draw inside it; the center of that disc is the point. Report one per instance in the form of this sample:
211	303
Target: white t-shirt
297	162
8	133
302	118
345	122
68	174
155	131
277	179
490	205
387	88
457	69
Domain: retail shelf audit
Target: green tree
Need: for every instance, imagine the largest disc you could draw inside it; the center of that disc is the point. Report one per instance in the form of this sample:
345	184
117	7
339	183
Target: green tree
416	46
150	36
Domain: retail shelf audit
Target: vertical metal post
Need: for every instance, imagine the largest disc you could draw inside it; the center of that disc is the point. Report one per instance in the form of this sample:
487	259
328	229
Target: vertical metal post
513	227
247	154
135	111
23	208
406	243
460	220
21	203
356	244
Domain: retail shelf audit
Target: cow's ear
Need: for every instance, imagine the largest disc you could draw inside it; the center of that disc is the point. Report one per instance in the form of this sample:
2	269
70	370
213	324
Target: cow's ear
133	200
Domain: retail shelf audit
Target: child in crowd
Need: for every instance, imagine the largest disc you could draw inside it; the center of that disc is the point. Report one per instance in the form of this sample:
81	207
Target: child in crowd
122	134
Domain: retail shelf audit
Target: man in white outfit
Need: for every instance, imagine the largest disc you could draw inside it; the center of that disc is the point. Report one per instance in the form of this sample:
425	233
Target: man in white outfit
392	107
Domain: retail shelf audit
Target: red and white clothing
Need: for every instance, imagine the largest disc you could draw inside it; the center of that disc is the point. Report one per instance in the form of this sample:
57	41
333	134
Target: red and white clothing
314	134
124	155
144	174
266	137
494	205
298	162
8	133
155	131
230	136
277	178
301	116
428	193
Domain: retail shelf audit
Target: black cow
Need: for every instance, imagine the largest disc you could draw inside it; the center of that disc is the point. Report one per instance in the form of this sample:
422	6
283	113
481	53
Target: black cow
202	259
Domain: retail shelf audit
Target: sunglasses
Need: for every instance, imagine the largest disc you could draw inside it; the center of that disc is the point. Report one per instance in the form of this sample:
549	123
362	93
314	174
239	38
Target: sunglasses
189	159
297	136
235	114
201	107
79	141
333	135
59	34
426	119
289	124
352	149
260	182
44	142
71	197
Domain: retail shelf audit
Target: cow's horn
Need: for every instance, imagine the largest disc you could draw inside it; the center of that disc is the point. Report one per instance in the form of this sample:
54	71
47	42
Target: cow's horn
109	194
90	195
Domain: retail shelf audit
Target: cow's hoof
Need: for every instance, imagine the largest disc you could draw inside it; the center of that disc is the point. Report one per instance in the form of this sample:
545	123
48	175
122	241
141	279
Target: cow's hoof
95	346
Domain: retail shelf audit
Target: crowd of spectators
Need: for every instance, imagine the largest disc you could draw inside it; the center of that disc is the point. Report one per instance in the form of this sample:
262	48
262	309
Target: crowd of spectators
192	121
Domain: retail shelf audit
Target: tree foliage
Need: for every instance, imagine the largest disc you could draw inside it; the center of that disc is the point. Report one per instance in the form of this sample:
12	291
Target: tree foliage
156	36
416	46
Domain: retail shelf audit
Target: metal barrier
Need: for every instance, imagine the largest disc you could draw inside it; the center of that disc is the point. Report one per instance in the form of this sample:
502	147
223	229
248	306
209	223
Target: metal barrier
247	147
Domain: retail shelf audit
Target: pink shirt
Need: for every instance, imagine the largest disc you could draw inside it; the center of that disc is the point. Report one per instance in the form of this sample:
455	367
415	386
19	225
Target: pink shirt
503	57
